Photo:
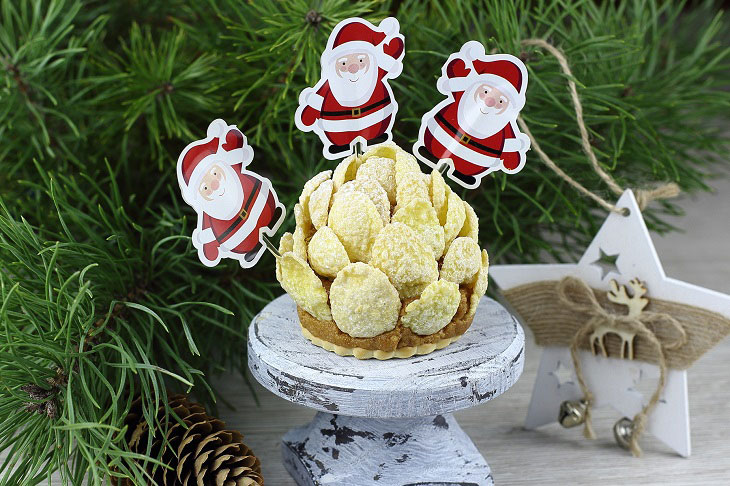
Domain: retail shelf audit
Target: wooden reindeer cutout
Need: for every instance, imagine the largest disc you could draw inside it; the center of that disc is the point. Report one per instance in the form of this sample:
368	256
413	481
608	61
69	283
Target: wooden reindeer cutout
635	303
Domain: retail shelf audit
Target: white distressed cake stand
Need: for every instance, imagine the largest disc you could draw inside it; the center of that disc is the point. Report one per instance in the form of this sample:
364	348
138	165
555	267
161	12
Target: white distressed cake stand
385	423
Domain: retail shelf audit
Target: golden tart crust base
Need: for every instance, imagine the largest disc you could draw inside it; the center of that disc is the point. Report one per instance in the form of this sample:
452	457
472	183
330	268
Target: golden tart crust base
400	342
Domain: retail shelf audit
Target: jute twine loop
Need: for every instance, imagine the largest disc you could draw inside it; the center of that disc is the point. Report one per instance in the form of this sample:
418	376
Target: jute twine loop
576	295
643	196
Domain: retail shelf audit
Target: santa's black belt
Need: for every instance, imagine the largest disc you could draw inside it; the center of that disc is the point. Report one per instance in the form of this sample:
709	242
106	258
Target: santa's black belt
464	138
356	112
243	214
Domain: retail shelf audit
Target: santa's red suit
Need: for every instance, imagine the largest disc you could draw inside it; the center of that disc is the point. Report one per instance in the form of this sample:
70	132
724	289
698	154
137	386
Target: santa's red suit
339	124
445	137
239	236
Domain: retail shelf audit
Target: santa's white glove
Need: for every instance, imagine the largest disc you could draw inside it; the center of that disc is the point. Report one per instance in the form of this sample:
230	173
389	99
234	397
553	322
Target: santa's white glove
310	97
203	236
521	143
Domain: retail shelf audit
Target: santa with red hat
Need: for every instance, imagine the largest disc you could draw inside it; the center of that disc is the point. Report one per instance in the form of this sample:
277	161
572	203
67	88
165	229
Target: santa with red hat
235	207
475	128
353	102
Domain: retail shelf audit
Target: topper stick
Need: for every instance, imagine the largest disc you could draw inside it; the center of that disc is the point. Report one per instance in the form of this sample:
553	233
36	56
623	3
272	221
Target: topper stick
270	246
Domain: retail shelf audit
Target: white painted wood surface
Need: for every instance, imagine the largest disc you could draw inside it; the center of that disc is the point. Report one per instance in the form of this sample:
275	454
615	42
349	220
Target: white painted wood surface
336	450
627	240
481	365
392	424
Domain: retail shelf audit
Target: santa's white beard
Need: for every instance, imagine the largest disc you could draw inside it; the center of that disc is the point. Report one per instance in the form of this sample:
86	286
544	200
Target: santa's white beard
353	89
227	200
479	120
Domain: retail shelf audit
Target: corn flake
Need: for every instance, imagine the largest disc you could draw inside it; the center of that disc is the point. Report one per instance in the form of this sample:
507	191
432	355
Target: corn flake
327	255
382	170
304	286
462	260
471	224
356	222
345	171
286	244
387	150
405	163
300	243
371	189
434	309
319	203
420	216
438	192
411	186
455	217
364	302
479	285
313	184
409	265
303	220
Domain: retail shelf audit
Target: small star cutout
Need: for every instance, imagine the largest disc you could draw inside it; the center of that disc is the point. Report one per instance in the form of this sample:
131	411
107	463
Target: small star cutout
563	374
607	263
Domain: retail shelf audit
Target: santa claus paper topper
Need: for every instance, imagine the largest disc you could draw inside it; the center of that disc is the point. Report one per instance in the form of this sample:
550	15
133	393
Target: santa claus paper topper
474	129
353	102
236	208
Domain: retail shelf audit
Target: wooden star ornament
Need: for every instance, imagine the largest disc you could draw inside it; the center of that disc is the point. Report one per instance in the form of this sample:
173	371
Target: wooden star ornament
620	258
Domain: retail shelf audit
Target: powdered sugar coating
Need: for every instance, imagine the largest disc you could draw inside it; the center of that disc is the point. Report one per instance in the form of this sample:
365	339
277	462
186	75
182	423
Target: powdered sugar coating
286	244
479	286
455	217
327	255
364	302
319	203
382	170
356	222
471	223
345	171
409	265
434	309
372	189
462	261
311	185
300	243
411	186
420	216
304	286
438	190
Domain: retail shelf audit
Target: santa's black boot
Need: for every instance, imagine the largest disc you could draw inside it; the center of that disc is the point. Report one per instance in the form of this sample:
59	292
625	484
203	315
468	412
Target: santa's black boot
250	255
423	152
381	139
338	149
469	181
277	214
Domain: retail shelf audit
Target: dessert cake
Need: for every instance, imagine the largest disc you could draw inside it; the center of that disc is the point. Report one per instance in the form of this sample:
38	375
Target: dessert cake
385	260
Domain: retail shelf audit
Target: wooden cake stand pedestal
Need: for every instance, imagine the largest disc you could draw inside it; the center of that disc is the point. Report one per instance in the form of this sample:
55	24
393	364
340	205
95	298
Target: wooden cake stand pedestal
385	423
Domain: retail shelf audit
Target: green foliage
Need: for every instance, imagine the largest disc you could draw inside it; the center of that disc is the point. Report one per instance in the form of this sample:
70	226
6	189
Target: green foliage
102	293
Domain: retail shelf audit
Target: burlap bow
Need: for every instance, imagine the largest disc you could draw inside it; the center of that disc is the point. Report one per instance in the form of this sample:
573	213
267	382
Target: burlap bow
579	297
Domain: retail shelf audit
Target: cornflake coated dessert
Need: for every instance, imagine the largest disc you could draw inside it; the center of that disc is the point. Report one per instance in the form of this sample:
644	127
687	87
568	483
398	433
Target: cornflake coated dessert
385	260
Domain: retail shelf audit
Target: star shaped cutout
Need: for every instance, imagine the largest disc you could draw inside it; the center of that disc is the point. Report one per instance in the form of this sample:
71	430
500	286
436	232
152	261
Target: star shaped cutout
607	263
563	374
616	385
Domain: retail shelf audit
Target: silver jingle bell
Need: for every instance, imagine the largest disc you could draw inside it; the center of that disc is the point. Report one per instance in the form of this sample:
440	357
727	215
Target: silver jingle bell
622	432
572	413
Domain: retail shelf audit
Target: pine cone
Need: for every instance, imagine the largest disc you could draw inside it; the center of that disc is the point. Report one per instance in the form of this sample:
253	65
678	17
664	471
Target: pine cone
201	453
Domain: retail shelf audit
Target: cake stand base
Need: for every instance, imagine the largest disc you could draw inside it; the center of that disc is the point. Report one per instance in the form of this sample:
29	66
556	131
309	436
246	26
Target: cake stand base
361	451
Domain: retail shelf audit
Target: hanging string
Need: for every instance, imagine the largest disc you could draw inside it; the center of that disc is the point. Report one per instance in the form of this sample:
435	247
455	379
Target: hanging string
643	196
